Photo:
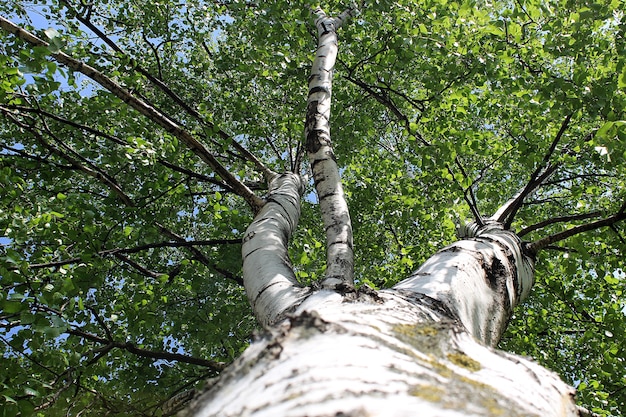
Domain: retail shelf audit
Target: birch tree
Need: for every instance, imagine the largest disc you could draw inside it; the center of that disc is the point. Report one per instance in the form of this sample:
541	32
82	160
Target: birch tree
171	181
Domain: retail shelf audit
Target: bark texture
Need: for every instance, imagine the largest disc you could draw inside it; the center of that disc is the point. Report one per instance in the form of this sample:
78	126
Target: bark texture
480	279
392	353
268	278
335	214
421	348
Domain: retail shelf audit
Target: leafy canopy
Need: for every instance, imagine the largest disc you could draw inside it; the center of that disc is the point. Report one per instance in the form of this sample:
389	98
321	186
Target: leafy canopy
120	264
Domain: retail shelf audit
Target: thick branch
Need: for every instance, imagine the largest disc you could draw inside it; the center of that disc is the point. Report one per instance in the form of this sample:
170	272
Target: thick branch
480	278
269	279
333	205
144	108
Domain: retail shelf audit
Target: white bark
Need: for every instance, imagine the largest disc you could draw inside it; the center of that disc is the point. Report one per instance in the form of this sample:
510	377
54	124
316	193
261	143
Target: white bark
391	354
419	349
268	278
333	206
481	279
400	352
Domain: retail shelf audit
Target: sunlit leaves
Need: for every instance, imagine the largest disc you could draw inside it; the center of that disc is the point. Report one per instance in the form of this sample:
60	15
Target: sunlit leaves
430	100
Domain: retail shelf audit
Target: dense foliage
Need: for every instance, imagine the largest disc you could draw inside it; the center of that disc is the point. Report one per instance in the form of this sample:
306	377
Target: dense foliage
120	257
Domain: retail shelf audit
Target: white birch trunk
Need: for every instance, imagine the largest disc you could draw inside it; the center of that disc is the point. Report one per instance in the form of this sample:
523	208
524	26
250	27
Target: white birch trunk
399	352
422	348
480	279
333	206
268	278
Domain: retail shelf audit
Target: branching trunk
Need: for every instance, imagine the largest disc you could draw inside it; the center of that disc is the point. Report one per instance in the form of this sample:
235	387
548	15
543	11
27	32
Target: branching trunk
394	353
421	348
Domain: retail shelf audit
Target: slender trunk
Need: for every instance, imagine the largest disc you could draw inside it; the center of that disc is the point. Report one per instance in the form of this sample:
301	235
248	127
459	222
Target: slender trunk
335	214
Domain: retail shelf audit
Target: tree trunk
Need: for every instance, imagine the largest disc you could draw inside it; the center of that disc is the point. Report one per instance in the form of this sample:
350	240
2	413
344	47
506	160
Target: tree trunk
422	348
387	353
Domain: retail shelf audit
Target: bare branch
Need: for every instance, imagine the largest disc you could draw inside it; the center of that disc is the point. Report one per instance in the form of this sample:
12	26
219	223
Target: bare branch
562	219
537	245
507	212
146	353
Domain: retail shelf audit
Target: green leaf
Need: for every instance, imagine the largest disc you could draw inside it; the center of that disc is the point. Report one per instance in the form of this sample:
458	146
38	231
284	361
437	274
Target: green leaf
621	80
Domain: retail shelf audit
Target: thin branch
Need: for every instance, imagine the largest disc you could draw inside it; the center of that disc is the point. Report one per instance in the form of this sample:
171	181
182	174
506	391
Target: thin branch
27	356
116	251
199	256
101	323
55	117
54	397
155	49
618	234
93	172
537	245
471	200
172	95
507	212
113	139
144	108
562	219
146	353
145	271
387	102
